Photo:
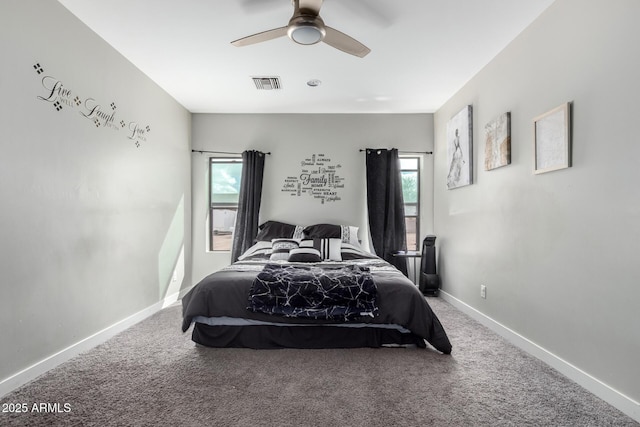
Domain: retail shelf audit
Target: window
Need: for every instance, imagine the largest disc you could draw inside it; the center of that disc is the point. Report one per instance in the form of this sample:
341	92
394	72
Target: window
224	191
410	170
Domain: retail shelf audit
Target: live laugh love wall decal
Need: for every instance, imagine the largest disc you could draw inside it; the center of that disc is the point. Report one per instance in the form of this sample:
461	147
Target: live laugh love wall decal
62	97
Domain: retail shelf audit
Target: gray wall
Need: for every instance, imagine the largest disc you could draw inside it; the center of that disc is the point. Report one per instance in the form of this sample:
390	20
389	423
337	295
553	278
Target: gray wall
91	226
558	252
291	138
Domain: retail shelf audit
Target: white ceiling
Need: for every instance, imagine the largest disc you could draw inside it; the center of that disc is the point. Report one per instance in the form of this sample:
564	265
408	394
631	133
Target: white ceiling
422	51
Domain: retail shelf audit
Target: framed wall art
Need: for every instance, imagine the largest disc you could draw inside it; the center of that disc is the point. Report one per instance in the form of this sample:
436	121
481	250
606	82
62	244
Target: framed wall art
460	149
552	140
497	149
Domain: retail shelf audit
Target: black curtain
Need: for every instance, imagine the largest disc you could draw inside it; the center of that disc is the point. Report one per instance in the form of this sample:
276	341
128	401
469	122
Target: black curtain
386	205
246	227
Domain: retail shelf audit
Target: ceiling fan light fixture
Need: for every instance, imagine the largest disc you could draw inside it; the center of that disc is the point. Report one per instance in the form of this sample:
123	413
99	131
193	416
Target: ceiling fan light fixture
306	27
306	33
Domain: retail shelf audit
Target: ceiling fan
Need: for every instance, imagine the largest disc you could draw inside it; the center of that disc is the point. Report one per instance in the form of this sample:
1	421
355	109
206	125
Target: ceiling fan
306	27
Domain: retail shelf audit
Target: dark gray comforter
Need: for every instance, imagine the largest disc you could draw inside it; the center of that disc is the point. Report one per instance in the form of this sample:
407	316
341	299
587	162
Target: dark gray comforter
226	292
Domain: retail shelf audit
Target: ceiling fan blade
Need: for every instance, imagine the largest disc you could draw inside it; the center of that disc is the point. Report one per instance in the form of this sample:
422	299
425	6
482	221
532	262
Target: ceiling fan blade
261	37
345	43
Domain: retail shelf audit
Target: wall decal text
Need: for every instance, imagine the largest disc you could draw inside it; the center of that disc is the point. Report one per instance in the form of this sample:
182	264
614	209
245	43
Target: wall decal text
61	97
318	178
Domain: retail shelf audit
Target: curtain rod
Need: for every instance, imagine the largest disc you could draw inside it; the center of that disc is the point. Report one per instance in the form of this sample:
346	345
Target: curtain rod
221	152
401	152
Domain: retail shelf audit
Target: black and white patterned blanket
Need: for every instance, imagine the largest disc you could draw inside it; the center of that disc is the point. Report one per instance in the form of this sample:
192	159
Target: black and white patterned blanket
343	293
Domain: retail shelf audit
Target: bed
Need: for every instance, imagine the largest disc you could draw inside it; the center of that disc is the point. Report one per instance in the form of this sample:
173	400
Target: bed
298	288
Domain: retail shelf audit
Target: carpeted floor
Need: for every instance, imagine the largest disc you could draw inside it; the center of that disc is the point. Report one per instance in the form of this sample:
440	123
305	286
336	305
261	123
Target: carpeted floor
153	375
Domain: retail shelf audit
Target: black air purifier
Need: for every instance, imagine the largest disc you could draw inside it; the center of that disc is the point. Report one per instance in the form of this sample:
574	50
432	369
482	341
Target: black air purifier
429	280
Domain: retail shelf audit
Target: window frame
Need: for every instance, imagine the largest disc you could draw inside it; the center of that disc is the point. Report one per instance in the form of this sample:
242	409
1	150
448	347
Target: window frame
417	203
219	205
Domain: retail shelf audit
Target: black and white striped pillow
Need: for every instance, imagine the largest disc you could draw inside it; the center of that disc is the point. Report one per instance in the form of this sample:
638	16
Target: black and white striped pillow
329	248
280	248
305	255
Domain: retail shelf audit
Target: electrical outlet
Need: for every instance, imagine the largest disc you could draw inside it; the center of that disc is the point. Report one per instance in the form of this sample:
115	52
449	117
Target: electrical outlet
175	276
483	291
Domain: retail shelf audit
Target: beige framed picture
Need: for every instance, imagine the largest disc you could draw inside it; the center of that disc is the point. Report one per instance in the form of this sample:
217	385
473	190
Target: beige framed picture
552	140
497	146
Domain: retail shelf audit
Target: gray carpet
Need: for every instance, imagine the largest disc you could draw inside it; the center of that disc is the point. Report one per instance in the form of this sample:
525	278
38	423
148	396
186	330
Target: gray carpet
153	375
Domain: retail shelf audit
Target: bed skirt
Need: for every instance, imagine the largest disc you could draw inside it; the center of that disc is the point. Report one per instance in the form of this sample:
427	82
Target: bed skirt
312	337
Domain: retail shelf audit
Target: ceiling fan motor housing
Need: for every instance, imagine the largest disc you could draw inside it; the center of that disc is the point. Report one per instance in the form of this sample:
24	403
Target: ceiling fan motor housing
306	29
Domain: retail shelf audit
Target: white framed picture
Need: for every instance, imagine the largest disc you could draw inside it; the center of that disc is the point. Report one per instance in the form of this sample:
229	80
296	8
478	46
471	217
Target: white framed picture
460	149
552	140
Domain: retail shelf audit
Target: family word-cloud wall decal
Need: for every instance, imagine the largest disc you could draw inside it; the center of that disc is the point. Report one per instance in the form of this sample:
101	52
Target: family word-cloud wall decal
62	98
318	178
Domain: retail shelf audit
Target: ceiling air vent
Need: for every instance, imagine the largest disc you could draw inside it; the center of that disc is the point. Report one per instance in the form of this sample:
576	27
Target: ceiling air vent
267	83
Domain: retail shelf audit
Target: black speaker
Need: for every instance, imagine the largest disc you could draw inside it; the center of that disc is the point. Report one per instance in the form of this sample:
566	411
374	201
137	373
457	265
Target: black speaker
429	279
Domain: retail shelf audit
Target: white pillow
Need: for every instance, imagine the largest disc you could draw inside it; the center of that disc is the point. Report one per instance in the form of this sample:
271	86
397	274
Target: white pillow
349	234
263	248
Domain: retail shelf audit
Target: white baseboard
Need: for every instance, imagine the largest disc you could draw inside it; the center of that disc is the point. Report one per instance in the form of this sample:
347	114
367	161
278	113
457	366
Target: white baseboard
613	397
11	383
